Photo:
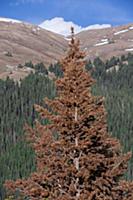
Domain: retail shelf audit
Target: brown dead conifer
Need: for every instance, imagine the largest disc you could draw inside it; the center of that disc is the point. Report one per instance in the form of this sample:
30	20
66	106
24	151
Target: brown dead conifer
85	163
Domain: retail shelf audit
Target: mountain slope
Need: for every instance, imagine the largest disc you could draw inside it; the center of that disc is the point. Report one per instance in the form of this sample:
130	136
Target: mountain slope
108	42
22	42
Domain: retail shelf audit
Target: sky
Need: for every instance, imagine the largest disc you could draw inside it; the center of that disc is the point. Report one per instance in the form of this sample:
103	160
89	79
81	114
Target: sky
57	13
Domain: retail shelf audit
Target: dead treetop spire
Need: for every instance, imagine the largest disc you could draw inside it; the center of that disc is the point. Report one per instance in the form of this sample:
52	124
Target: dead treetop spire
72	35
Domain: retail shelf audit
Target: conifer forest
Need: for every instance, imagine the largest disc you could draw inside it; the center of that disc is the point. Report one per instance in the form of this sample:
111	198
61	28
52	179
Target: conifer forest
68	137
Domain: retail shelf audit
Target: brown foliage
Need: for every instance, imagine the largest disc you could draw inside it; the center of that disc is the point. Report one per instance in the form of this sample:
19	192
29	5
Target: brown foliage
85	163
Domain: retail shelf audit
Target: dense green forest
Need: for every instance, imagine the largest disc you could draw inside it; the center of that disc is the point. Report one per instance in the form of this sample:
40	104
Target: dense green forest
16	109
114	81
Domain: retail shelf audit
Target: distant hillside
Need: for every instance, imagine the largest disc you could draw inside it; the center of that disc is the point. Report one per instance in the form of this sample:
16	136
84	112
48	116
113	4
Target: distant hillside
22	42
108	42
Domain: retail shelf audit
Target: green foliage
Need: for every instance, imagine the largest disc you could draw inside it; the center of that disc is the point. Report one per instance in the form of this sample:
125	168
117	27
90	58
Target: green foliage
89	65
98	63
40	68
112	62
29	64
16	109
56	69
117	87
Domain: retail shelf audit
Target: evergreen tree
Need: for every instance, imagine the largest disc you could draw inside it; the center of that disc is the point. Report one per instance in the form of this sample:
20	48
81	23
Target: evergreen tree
40	68
83	162
29	64
56	69
89	65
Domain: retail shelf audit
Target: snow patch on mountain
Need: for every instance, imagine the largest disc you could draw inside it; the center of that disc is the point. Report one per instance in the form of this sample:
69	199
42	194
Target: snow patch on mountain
131	27
68	39
103	42
9	20
122	31
129	49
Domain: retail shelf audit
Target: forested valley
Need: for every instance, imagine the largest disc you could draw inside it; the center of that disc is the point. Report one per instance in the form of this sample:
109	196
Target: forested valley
114	81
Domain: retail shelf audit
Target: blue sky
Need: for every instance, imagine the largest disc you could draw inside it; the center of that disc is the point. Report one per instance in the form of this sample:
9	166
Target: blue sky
81	12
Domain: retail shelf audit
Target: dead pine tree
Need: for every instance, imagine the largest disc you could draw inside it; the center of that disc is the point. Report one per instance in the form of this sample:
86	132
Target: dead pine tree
84	162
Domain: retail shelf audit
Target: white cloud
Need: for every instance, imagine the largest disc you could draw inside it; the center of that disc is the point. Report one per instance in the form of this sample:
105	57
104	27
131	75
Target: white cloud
18	2
58	25
32	1
97	26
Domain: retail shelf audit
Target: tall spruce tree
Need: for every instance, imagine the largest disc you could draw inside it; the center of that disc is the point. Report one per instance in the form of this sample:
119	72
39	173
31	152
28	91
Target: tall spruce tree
77	159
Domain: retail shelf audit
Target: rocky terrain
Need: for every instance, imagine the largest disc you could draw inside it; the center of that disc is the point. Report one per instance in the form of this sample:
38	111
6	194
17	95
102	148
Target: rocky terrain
21	42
